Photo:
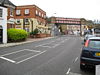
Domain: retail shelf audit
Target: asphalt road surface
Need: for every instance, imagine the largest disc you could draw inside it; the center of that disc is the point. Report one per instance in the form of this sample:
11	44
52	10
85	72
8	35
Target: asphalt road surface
55	56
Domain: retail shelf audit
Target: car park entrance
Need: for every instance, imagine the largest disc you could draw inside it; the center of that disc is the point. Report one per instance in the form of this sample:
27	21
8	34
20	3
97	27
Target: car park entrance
1	34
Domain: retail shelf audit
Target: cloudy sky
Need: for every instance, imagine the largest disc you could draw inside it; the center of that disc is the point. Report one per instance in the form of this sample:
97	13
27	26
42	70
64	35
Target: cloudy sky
89	9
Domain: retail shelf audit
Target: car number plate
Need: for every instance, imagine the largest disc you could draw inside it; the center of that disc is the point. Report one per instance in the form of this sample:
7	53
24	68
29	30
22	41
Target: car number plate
97	54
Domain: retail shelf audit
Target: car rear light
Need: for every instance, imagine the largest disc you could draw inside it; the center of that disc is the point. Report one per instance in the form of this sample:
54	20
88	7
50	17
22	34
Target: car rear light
86	43
82	63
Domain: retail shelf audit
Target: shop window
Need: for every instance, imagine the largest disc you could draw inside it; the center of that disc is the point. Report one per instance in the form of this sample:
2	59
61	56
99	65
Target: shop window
18	12
1	12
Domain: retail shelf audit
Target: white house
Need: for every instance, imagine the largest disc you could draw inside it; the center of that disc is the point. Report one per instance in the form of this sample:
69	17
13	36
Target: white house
4	5
3	24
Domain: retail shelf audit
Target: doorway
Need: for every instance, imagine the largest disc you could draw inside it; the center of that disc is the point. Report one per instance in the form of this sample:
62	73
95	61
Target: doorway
1	34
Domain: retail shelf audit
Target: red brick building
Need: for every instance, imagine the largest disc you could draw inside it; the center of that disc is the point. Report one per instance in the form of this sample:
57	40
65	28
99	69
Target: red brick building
29	17
67	24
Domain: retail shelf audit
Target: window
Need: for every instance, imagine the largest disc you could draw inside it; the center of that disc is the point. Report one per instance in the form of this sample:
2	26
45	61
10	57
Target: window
39	13
11	12
1	12
26	21
36	12
26	11
18	12
94	44
42	15
18	21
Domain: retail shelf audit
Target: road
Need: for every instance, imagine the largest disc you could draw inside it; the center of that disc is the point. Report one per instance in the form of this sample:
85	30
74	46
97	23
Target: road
55	56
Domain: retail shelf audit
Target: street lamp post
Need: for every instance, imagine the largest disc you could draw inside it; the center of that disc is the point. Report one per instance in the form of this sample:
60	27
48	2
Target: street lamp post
23	23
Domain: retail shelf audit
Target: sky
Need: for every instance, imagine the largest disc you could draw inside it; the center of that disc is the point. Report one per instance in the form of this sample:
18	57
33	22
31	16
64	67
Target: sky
88	9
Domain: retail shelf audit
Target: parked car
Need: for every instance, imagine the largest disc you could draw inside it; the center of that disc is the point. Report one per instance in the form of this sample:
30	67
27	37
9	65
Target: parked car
90	55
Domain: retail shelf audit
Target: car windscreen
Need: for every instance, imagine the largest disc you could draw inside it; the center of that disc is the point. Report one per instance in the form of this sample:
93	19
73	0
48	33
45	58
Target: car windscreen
94	44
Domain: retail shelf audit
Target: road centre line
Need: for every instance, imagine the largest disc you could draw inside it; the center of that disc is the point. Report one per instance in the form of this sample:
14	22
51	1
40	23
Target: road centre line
8	59
68	71
75	59
12	53
30	57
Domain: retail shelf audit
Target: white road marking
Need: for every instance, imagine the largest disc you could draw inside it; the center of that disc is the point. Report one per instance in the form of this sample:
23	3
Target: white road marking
12	52
30	57
59	39
75	59
46	46
68	71
32	50
8	59
55	45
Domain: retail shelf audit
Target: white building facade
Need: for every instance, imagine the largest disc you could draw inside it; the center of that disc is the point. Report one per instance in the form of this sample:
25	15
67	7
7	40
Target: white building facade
3	24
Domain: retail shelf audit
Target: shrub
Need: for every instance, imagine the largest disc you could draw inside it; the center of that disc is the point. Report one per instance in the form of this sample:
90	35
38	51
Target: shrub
16	34
36	31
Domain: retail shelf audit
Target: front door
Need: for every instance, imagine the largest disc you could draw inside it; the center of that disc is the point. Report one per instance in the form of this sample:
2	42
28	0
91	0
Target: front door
1	36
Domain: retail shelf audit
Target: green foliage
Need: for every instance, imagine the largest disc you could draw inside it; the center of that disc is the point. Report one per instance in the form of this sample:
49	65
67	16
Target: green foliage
16	34
36	31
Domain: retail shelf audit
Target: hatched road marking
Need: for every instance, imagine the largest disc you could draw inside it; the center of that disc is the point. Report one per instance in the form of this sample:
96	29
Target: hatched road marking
8	59
31	57
12	61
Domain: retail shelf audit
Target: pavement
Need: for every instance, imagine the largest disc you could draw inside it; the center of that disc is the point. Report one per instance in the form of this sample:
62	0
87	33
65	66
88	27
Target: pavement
28	40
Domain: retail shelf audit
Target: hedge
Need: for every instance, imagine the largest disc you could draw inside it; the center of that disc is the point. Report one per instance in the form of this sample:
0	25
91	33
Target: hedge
16	34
